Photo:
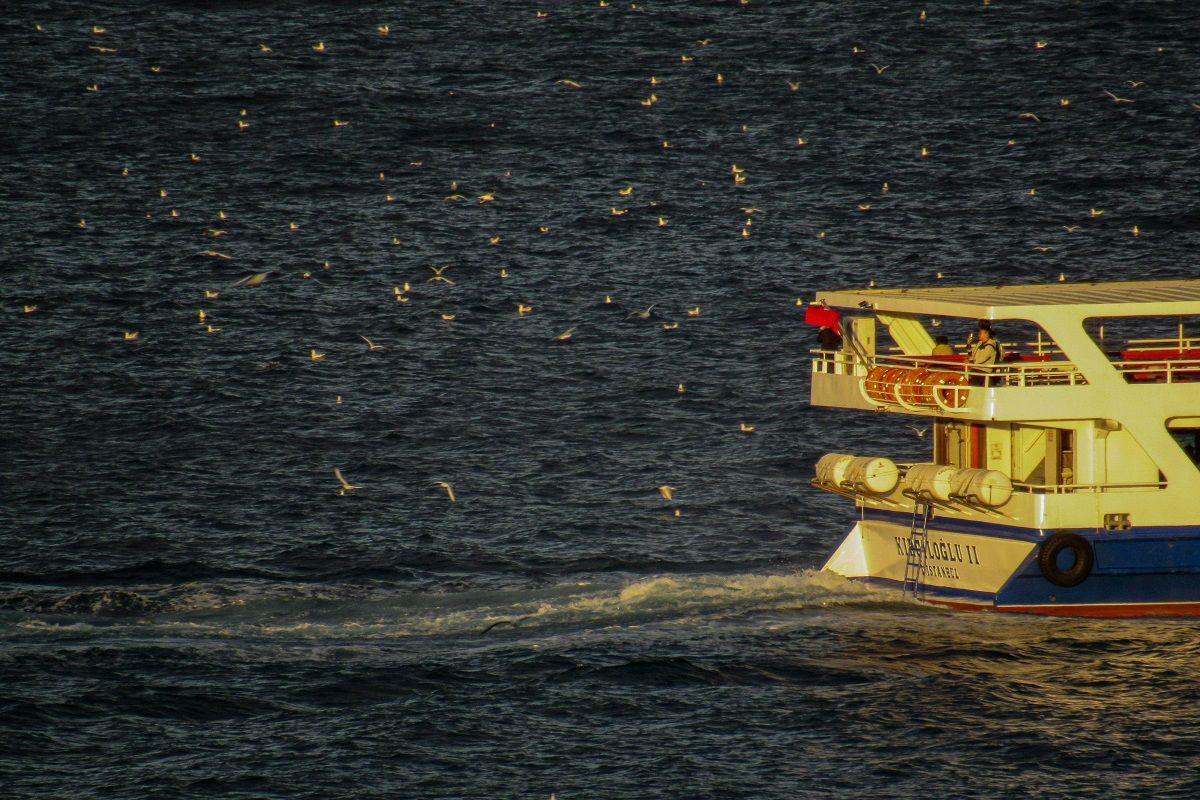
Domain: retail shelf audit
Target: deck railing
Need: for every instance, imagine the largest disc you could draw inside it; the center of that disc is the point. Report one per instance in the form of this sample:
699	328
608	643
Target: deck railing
1063	488
1071	488
1178	342
1030	348
1010	373
837	362
1168	370
1015	373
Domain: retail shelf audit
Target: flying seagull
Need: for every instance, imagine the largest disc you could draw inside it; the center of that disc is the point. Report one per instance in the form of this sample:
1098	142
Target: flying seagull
346	486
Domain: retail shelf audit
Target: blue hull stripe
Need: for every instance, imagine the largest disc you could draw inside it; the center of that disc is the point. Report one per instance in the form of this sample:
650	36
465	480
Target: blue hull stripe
1030	588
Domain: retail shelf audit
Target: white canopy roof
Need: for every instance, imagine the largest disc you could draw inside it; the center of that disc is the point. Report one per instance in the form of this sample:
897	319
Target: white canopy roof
1029	301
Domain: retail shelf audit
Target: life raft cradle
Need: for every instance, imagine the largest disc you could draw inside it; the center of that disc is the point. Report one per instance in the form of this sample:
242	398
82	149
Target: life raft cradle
916	388
916	557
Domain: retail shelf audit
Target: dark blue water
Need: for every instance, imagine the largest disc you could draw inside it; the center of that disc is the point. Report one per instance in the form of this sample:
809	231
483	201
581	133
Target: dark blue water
189	608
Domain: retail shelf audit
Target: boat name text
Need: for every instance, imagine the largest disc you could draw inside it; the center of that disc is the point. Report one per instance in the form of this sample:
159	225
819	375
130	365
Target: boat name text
937	550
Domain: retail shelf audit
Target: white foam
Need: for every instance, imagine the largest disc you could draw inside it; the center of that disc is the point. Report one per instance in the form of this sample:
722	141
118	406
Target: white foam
324	613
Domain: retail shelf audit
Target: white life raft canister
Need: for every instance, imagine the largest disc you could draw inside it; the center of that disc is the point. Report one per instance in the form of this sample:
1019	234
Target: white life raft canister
930	480
984	486
831	469
873	474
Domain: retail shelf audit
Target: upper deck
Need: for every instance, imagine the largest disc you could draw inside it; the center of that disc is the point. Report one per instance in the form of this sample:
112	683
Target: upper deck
1067	365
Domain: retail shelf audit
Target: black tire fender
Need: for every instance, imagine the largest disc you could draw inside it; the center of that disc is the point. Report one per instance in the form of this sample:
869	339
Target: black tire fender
1052	548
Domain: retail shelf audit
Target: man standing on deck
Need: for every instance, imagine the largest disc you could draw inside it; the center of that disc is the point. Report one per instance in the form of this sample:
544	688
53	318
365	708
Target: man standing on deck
986	351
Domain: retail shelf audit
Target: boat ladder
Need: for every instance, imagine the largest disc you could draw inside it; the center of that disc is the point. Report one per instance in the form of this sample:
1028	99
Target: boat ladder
915	555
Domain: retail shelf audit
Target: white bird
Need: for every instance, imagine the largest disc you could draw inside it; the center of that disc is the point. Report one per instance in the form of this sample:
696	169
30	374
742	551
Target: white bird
371	346
920	432
252	280
449	490
643	314
346	485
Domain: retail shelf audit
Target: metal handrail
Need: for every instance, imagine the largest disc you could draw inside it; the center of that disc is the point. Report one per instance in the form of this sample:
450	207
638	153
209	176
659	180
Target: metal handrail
1009	374
1186	343
831	358
1173	369
1042	348
1067	488
986	376
1037	373
1056	488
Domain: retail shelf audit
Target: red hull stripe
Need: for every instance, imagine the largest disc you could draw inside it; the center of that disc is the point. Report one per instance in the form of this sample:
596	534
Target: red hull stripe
1109	610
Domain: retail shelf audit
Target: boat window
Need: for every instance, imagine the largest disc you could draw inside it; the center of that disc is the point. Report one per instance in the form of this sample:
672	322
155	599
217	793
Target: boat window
917	336
935	351
1186	433
1150	349
1027	355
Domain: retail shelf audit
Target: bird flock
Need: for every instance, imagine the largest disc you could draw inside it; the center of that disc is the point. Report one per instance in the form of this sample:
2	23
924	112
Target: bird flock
418	293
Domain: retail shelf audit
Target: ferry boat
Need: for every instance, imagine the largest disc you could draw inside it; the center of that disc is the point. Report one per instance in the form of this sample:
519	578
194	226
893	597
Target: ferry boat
1062	478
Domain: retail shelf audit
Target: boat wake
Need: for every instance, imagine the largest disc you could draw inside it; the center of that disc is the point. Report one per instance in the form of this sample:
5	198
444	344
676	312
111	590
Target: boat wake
349	612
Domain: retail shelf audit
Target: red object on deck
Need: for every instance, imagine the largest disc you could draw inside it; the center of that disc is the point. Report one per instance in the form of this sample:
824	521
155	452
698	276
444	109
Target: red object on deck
822	315
1156	371
1159	355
